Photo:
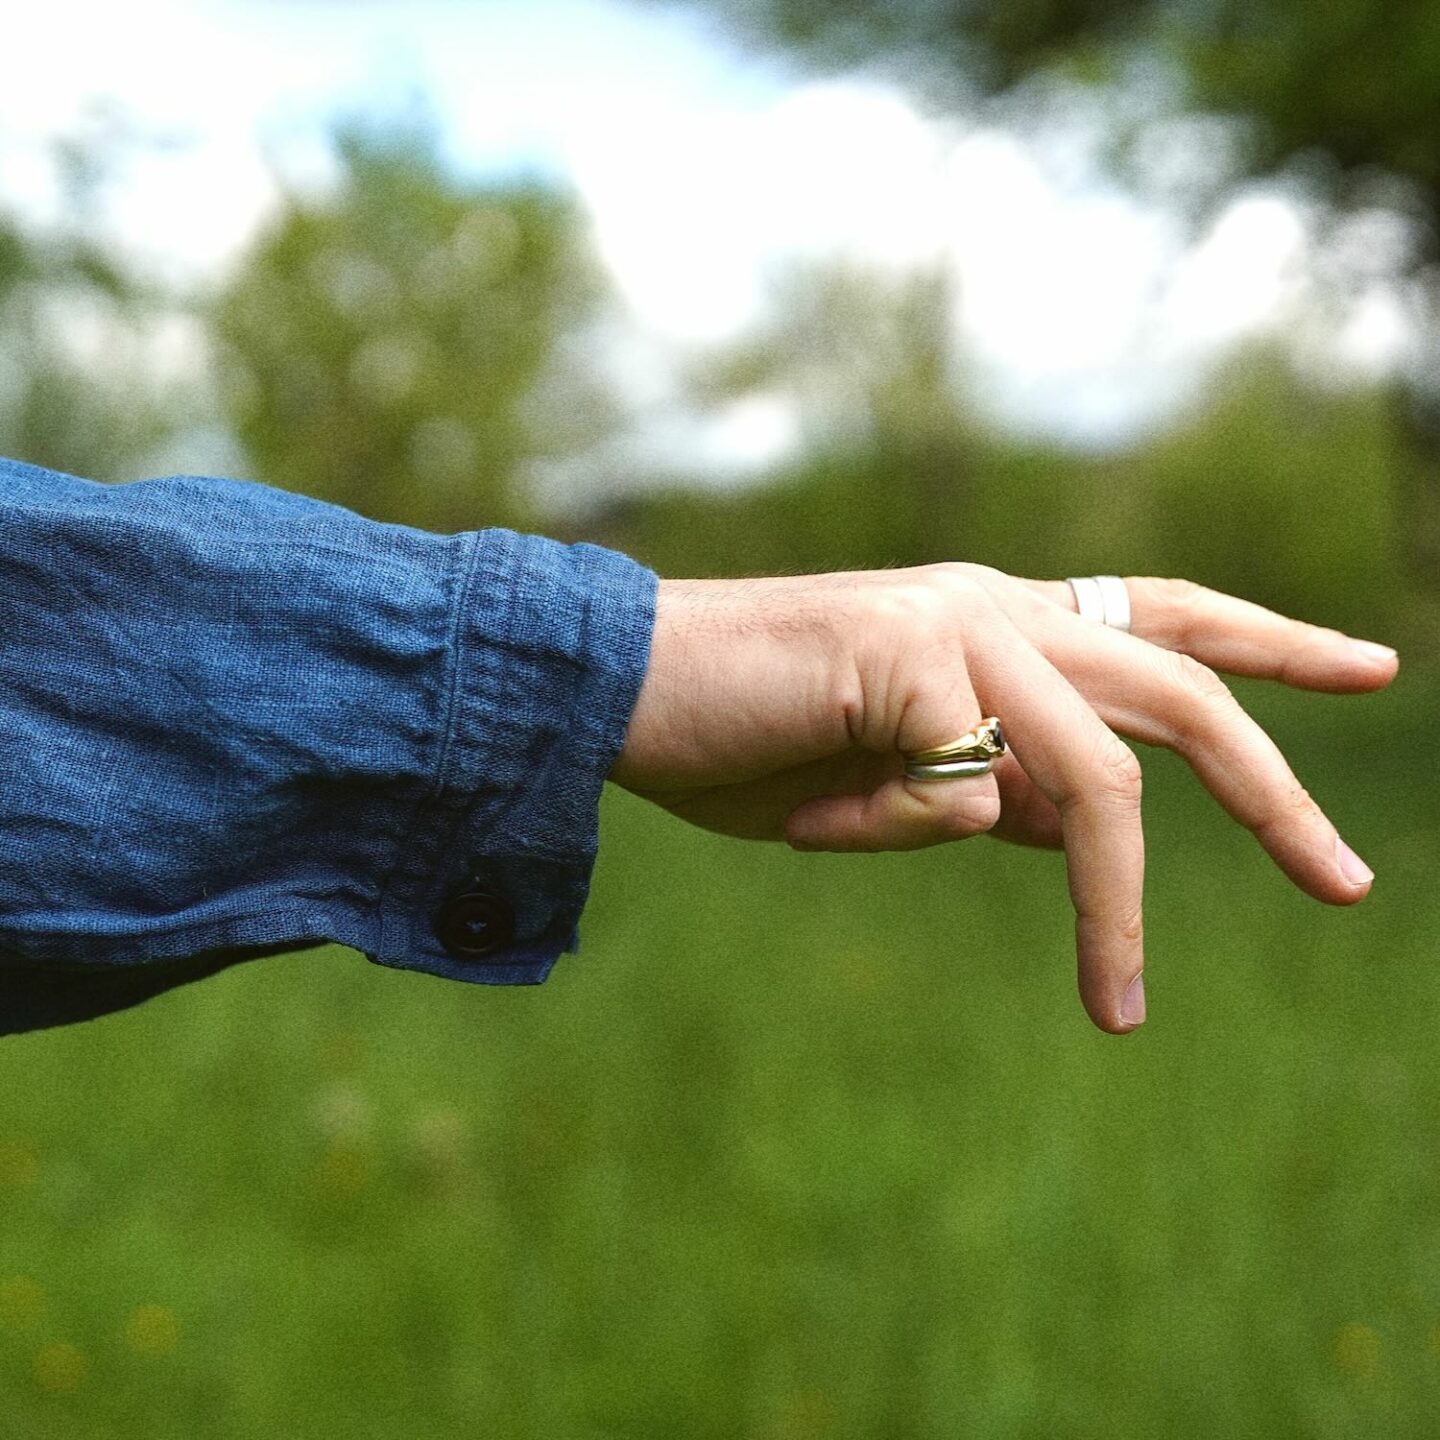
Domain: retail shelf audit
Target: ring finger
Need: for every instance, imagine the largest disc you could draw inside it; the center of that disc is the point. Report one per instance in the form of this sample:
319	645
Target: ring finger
1169	699
1242	638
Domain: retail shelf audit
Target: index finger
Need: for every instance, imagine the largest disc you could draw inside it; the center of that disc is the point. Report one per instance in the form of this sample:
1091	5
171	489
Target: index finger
1242	638
1093	779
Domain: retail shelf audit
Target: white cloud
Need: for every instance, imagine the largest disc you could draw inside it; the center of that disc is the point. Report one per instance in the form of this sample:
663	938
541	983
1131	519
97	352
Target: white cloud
702	171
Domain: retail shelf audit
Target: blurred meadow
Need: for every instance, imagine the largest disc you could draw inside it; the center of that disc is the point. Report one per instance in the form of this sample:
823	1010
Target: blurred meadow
796	1147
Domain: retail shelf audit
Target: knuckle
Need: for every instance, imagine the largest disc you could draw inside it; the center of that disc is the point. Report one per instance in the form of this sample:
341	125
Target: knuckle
938	604
1199	679
964	574
1177	601
1120	780
908	604
1131	927
1176	588
1293	806
1299	800
1177	594
1203	700
1127	924
937	813
963	584
972	815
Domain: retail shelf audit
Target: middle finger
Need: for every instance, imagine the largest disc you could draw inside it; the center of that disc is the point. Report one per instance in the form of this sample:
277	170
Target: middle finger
1093	782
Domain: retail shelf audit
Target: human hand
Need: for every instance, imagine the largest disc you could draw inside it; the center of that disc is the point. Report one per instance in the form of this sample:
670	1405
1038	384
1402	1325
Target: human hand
780	709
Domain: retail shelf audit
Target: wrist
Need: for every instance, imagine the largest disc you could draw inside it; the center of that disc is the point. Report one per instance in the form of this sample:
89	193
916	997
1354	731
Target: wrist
743	674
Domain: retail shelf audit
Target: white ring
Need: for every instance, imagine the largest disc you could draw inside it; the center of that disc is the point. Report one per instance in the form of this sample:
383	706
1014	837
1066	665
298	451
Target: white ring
1088	598
1102	598
1117	601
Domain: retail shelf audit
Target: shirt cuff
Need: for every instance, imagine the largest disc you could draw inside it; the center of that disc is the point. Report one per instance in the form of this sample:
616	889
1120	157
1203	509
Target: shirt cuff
549	651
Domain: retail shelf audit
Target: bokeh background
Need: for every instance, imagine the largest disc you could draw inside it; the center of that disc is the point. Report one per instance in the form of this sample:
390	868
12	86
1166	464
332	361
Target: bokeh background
797	1147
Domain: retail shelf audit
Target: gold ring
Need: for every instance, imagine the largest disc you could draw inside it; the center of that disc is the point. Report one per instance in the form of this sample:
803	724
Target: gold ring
986	742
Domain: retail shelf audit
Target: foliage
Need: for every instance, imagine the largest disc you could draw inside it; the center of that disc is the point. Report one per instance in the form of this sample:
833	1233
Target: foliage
798	1146
409	344
74	386
1268	489
1357	81
867	358
1345	95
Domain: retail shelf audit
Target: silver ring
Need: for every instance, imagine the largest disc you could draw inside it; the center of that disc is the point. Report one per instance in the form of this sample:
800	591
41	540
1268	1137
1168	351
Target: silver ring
974	753
1102	598
951	770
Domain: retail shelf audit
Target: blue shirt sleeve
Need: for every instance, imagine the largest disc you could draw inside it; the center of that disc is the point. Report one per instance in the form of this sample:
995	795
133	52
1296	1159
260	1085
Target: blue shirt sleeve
235	721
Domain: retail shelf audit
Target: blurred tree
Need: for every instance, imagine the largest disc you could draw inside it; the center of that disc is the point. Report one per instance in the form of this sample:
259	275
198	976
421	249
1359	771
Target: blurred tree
74	391
868	362
863	354
1246	493
1344	95
1357	81
408	345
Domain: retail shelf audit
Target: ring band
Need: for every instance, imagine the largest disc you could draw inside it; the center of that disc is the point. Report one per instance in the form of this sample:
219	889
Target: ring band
955	770
1102	598
972	754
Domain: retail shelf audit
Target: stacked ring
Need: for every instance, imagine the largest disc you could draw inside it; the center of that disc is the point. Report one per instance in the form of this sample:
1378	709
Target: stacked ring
972	754
1102	598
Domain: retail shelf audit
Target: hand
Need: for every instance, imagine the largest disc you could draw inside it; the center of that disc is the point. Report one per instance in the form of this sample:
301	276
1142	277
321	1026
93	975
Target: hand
779	709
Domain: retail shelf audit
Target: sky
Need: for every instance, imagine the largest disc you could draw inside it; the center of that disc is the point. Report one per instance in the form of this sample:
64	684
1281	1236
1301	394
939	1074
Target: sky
1086	312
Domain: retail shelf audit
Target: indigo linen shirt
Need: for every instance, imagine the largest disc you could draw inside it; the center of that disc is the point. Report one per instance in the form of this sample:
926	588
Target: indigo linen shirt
236	721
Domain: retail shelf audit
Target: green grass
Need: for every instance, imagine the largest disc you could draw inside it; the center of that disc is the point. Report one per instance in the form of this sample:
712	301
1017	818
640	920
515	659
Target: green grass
797	1147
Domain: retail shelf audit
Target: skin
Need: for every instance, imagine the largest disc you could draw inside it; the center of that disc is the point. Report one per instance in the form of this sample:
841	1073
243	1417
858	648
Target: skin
780	709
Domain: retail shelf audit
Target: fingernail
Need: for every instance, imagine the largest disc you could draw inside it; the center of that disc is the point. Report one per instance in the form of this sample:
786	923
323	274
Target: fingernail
1352	867
1371	651
1132	1007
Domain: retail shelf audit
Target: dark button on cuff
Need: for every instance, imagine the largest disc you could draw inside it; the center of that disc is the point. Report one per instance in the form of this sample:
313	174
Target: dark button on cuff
474	924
